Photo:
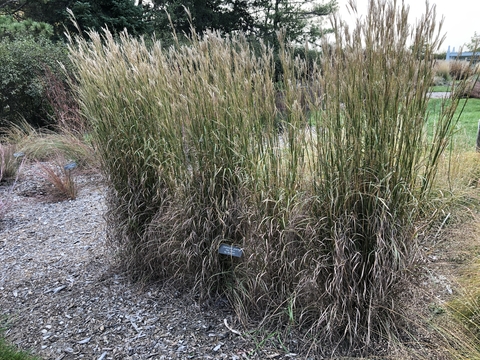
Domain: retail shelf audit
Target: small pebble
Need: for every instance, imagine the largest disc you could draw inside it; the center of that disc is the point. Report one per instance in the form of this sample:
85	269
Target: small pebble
84	341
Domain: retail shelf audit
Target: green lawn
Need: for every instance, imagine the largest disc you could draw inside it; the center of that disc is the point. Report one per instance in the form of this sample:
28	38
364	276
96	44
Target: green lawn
440	88
467	126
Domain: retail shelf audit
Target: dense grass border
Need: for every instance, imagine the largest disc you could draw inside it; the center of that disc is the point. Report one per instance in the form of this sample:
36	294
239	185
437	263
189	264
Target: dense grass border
323	179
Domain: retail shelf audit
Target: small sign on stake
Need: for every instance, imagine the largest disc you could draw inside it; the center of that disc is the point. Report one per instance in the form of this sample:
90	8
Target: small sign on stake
70	166
230	250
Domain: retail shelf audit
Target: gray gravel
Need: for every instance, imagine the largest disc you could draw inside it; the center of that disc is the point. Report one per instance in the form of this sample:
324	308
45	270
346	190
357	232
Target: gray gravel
62	297
439	95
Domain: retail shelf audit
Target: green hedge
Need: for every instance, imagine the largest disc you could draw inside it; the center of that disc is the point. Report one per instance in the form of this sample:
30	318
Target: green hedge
22	69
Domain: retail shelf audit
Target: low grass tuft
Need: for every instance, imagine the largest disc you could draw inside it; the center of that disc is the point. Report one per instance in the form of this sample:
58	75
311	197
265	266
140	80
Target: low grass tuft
10	352
10	165
10	161
45	145
465	304
59	174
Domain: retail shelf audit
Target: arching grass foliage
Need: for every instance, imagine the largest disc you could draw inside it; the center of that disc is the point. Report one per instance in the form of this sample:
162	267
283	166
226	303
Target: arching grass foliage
321	178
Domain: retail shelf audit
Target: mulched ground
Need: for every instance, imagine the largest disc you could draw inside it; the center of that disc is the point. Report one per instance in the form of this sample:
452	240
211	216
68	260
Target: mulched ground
62	297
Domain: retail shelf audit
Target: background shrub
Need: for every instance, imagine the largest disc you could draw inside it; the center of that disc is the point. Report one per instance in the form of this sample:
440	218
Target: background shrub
23	61
460	69
442	72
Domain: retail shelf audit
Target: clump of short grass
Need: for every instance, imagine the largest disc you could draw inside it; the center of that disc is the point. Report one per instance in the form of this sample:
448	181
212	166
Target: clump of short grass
10	352
466	308
59	173
10	161
10	165
459	170
465	302
45	145
198	151
462	309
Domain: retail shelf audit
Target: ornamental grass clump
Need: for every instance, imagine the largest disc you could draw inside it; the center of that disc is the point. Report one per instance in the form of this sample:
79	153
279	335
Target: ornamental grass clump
374	167
59	175
442	72
321	178
182	134
10	161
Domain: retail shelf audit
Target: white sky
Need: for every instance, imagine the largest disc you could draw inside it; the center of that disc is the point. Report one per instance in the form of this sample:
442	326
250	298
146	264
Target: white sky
462	17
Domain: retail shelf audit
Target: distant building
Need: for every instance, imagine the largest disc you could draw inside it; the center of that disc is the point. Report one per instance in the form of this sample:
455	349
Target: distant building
463	55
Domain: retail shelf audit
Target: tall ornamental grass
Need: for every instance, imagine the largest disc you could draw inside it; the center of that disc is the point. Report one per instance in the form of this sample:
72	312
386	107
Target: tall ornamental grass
373	166
321	179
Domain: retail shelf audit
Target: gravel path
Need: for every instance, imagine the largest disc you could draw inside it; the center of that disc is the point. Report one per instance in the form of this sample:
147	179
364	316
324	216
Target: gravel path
439	95
61	297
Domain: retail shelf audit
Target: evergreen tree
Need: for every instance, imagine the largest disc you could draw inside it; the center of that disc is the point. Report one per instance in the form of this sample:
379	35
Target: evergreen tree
115	14
300	19
90	14
9	27
224	15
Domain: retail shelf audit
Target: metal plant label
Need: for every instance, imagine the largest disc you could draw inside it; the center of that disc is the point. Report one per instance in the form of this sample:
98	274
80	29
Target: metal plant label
230	250
70	166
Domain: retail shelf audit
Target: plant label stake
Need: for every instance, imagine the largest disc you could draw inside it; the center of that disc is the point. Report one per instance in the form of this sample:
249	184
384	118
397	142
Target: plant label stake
230	250
70	166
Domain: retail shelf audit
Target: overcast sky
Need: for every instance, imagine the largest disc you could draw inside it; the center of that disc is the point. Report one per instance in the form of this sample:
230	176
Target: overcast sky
462	17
